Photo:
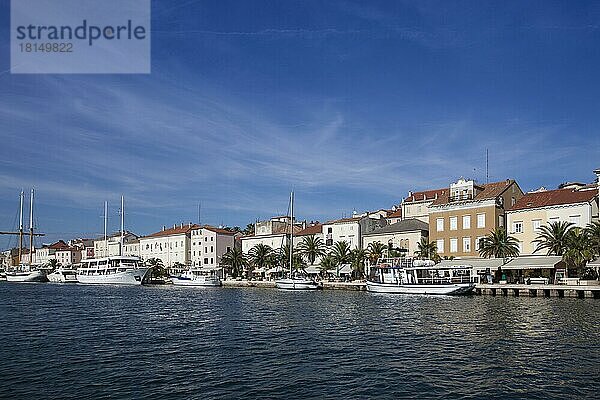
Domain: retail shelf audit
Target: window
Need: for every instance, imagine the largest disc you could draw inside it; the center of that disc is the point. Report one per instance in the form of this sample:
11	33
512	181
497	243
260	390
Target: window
228	249
467	245
211	260
329	230
481	220
440	245
575	219
329	242
440	224
501	221
513	201
518	227
466	222
479	242
212	249
453	245
453	223
212	238
536	224
205	260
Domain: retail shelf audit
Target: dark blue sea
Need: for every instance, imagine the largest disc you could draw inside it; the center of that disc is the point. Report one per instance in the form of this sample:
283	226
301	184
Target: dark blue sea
93	342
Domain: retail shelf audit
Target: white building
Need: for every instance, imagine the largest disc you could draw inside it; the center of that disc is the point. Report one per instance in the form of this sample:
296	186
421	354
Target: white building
47	252
113	243
416	205
172	246
350	230
404	235
209	244
273	233
68	256
132	248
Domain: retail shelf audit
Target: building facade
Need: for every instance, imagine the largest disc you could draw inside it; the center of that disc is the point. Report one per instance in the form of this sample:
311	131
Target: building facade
172	246
68	256
273	233
112	245
209	244
534	210
466	212
403	235
350	230
416	205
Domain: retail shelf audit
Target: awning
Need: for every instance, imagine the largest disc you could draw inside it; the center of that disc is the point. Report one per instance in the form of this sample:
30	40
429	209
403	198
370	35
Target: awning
312	269
259	270
533	262
594	264
475	263
345	269
274	270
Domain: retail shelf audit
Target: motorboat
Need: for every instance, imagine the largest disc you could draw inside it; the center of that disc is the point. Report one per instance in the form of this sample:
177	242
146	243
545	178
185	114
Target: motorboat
63	275
197	277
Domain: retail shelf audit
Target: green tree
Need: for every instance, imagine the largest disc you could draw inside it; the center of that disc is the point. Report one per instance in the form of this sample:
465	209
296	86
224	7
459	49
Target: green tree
261	256
579	252
341	254
426	249
499	244
311	247
327	265
376	251
53	264
249	229
553	238
358	258
284	259
236	262
593	233
158	269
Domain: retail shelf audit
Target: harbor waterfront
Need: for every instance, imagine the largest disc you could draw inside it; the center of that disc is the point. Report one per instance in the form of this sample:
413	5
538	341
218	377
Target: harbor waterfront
79	341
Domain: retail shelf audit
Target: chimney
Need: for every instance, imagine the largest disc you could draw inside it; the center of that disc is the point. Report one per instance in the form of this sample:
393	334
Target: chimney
164	228
174	226
410	193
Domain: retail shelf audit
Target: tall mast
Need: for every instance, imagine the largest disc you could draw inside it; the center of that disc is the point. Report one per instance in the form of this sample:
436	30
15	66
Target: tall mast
21	197
105	226
122	225
31	229
291	232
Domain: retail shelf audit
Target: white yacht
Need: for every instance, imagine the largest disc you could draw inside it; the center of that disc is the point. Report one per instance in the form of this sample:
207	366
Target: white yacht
294	281
112	270
63	275
197	277
26	273
408	276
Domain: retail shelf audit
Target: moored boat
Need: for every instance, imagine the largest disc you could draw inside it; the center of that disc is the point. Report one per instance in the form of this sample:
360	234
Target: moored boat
197	277
63	275
120	270
25	273
408	276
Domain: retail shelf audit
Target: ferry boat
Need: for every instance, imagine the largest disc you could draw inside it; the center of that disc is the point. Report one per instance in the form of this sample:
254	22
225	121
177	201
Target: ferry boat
408	276
112	270
197	277
294	281
63	275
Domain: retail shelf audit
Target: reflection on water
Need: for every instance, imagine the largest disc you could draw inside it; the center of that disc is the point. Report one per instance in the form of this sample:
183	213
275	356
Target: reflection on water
72	341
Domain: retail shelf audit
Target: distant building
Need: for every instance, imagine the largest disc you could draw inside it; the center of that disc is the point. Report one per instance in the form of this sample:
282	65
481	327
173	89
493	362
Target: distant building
350	230
404	235
394	215
578	205
466	212
209	244
112	245
47	252
132	248
273	233
172	246
68	256
416	205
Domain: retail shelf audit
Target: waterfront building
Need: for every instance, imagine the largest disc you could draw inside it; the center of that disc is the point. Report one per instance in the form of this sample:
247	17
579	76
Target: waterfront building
394	215
112	245
172	246
350	230
313	229
466	212
273	233
47	252
209	244
416	205
132	248
404	235
68	256
537	209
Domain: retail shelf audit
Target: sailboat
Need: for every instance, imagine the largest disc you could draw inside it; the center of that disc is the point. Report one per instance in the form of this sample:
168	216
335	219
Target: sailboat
294	281
119	269
26	272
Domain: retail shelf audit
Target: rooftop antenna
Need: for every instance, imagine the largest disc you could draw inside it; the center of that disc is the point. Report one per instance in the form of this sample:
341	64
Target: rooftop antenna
199	207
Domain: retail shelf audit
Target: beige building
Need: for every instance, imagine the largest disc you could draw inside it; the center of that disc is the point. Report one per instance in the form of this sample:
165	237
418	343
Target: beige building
68	256
350	230
111	246
466	212
534	210
172	246
416	205
273	233
404	235
47	252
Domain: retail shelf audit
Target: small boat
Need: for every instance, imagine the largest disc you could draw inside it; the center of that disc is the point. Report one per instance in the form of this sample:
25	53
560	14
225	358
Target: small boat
197	277
294	281
120	270
408	276
26	273
63	275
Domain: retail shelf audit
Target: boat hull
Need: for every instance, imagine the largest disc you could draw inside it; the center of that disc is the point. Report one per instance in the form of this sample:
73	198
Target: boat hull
63	277
196	282
296	284
442	289
30	276
130	277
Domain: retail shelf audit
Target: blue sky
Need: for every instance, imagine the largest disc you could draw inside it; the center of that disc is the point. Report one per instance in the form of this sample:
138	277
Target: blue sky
351	104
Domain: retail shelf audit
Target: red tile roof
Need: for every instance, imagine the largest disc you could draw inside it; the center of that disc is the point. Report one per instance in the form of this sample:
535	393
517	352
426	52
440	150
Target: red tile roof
425	195
311	230
178	230
58	245
220	231
490	191
395	214
553	198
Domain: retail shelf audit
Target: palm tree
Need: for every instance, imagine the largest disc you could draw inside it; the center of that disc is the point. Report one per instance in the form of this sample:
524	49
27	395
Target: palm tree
327	264
158	269
499	244
284	259
236	261
358	257
249	229
376	250
593	232
311	247
53	264
578	250
426	249
341	253
261	256
553	238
